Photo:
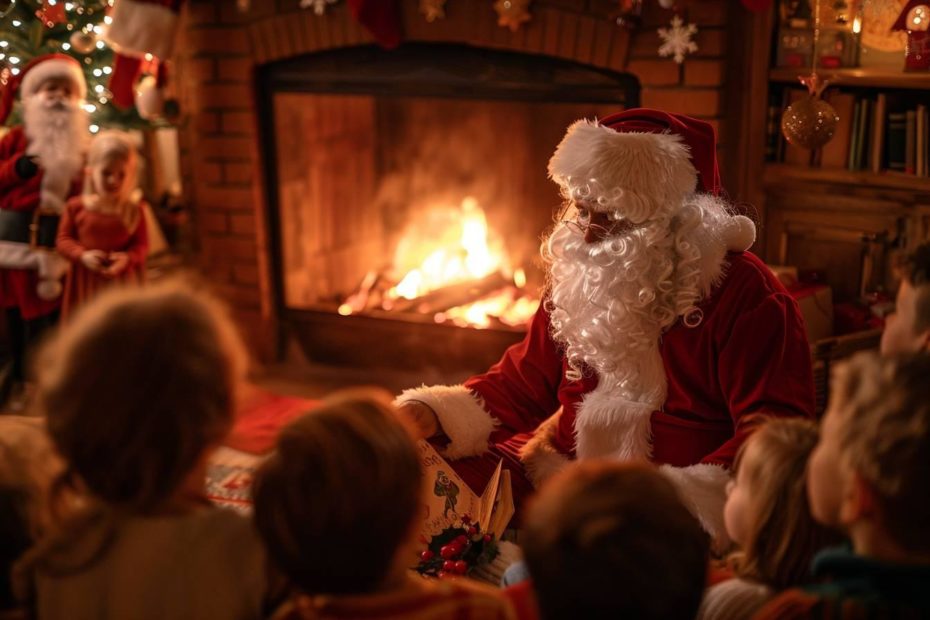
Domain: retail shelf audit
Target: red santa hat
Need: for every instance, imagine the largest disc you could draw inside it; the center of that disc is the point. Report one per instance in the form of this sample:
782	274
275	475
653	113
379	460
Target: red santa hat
643	162
41	69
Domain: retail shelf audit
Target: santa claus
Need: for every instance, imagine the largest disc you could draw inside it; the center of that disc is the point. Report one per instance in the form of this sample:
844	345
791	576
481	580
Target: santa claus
660	337
40	168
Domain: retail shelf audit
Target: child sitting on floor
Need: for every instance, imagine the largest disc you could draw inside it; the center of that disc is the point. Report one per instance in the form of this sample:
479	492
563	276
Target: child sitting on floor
103	232
907	330
338	506
137	390
613	540
868	475
768	516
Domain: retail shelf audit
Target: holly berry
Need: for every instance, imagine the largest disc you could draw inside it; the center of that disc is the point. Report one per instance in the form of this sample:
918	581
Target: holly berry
461	540
427	555
487	538
461	567
472	531
448	551
449	566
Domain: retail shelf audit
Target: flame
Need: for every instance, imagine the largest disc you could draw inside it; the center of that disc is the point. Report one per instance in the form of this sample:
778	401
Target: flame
466	252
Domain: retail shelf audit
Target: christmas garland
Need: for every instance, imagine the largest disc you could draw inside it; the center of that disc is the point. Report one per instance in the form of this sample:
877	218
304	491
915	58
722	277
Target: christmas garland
457	550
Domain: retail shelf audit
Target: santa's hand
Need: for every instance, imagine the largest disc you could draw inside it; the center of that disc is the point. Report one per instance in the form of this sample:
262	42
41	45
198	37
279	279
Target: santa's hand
420	418
26	166
93	259
119	261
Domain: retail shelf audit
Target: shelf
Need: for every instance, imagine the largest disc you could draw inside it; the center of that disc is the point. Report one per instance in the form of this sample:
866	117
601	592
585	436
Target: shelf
867	78
779	173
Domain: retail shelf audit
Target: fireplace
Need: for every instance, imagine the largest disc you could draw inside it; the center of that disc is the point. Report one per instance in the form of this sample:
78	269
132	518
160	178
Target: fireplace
404	186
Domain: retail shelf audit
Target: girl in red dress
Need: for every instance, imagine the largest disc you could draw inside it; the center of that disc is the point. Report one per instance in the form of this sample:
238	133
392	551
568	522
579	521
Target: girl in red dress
103	231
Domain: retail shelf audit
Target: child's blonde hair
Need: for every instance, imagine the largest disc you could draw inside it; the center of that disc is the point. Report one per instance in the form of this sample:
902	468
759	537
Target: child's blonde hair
884	434
136	388
782	535
106	147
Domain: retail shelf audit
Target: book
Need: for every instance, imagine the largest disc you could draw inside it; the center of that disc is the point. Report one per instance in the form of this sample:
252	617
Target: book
854	132
865	135
878	133
447	498
922	154
836	152
896	144
910	141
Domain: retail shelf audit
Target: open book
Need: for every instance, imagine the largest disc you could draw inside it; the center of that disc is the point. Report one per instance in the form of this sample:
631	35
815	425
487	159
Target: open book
447	497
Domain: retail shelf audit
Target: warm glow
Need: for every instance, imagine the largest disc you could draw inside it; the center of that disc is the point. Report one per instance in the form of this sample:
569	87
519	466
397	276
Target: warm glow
448	247
857	25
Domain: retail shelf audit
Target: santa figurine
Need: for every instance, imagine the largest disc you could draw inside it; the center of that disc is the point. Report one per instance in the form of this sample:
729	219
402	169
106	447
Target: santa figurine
660	336
40	168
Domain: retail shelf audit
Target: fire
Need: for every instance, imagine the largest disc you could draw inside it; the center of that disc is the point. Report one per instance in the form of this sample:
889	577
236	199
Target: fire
455	268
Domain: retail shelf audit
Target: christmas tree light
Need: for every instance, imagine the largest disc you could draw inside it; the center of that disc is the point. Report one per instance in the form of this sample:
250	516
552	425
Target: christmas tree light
30	28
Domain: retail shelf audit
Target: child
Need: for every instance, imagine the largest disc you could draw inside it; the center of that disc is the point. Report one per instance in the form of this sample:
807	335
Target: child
868	475
338	506
103	232
137	390
613	540
907	330
768	516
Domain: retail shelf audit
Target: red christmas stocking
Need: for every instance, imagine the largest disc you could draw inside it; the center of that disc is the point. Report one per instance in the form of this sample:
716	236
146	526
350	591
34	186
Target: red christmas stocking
381	18
125	73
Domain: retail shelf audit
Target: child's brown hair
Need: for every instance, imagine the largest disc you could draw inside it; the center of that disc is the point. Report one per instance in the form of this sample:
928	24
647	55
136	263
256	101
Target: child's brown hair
613	540
339	495
782	536
884	405
136	388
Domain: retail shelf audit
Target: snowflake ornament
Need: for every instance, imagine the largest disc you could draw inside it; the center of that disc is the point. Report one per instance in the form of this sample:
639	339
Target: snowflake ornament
318	6
678	40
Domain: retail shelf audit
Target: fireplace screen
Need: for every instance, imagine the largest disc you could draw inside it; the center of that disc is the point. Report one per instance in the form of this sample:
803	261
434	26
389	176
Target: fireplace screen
412	186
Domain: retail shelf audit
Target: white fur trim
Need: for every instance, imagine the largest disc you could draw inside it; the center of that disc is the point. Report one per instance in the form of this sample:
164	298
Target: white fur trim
703	488
539	456
53	68
139	28
613	427
461	414
15	255
740	233
653	168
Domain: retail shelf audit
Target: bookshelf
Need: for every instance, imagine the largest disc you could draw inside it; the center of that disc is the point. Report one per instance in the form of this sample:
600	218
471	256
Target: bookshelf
857	77
779	174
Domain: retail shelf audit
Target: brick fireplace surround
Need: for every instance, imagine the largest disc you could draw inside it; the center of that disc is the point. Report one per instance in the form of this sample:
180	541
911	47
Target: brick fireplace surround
221	47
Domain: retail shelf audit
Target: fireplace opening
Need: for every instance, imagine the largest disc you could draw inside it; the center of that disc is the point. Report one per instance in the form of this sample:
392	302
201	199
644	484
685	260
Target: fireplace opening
408	196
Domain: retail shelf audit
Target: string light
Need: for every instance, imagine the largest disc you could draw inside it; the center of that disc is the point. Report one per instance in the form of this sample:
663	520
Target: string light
100	45
107	20
2	56
69	6
14	60
16	23
98	88
97	72
90	107
94	128
66	46
4	43
14	71
107	70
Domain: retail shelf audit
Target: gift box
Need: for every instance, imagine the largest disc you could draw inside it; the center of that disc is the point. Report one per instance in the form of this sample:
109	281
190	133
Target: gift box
816	303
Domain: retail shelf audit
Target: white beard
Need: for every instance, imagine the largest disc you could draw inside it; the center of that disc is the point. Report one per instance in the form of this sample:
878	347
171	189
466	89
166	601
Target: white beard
57	135
609	304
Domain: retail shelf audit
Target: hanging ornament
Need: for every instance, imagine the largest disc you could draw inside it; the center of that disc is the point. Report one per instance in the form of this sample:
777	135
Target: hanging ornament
150	101
915	20
512	13
51	13
809	123
5	6
630	15
433	9
318	6
678	40
83	42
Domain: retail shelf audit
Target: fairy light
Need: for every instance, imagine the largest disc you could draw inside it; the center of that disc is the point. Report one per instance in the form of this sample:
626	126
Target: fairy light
94	128
148	58
14	60
98	72
4	43
107	20
66	46
16	23
69	6
107	70
98	88
100	45
97	29
14	71
89	107
2	56
103	100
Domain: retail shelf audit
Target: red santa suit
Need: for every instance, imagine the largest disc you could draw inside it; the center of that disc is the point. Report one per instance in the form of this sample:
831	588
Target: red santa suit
733	351
30	277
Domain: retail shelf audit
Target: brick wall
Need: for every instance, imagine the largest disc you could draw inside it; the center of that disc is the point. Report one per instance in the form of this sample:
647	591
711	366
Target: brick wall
220	47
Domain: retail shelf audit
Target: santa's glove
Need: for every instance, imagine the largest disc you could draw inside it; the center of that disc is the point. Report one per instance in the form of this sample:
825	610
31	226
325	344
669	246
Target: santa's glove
26	167
93	259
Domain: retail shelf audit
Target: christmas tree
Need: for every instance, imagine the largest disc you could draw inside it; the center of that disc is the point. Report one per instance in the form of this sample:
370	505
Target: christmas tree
30	28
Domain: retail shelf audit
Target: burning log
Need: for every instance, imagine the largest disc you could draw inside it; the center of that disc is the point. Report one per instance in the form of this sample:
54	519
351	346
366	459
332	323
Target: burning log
452	295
